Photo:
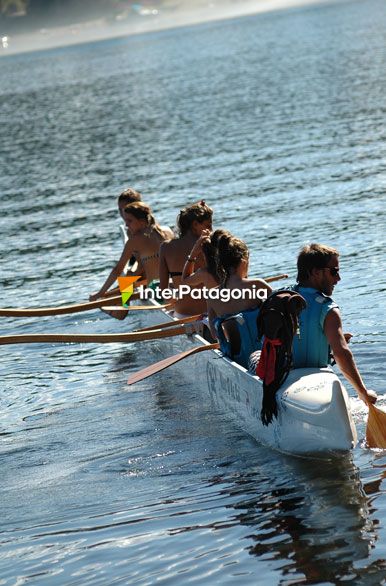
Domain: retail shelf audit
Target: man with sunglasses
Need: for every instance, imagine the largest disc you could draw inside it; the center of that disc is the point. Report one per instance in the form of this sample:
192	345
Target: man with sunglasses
320	327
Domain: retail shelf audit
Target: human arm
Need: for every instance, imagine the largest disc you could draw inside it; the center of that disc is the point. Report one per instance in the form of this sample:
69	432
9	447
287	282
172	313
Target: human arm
196	278
262	286
163	267
189	265
116	271
344	357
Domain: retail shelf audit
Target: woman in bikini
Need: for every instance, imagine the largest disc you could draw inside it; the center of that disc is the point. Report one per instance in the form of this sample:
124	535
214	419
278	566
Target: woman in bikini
191	223
144	243
232	319
205	247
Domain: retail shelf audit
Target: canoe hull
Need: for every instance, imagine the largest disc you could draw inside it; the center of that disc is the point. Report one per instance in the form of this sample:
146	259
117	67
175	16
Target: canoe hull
314	413
313	408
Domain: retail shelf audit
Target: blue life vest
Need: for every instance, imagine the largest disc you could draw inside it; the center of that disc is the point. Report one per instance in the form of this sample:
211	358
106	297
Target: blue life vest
246	323
310	347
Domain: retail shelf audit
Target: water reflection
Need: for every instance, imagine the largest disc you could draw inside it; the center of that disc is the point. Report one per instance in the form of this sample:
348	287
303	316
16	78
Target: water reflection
310	520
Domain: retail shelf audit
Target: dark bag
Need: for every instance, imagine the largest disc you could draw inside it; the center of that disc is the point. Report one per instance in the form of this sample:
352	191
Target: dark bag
278	322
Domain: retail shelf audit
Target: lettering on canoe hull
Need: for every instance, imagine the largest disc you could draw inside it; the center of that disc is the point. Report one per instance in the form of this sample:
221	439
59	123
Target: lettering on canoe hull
244	403
225	389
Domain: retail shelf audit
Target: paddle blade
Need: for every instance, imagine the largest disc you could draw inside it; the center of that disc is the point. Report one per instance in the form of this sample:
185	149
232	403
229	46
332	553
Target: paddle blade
376	428
158	366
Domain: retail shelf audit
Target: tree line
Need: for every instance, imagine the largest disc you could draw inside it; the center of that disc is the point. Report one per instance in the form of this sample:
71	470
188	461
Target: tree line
39	8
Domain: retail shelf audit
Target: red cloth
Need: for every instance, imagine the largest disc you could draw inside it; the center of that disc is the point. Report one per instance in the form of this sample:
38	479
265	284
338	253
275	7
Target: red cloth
266	367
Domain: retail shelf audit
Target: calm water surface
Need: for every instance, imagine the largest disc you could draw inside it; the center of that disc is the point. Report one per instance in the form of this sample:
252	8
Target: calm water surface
278	121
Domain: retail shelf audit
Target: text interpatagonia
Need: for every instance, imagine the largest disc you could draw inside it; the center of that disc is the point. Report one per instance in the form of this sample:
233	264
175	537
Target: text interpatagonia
217	293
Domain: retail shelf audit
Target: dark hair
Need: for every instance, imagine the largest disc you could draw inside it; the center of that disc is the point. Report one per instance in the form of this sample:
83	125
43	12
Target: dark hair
313	256
210	250
142	211
199	212
231	251
129	196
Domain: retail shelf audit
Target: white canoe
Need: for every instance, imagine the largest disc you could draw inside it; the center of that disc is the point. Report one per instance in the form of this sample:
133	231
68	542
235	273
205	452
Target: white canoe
314	413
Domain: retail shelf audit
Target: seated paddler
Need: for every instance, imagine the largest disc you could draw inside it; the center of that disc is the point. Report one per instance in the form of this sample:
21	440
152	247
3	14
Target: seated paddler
192	221
320	327
233	306
146	237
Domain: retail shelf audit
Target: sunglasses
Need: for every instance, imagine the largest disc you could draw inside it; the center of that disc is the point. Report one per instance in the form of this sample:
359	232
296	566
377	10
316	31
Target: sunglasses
334	271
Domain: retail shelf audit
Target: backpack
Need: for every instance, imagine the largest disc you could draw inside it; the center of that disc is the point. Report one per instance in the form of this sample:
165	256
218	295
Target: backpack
278	322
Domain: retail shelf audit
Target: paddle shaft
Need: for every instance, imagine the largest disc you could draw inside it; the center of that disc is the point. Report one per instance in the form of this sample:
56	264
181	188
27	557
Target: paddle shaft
175	322
92	338
111	296
65	309
276	278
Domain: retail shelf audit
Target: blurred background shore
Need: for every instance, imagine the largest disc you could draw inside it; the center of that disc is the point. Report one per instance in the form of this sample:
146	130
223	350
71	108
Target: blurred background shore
29	25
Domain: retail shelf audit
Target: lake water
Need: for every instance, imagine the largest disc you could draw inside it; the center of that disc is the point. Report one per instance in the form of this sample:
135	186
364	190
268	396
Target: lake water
278	121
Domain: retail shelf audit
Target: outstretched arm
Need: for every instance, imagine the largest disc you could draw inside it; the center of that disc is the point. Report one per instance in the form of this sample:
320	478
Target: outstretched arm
263	285
196	278
344	357
163	268
116	271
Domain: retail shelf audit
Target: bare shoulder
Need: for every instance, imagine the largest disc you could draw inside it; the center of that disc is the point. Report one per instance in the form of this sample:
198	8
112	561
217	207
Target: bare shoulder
169	246
132	243
333	318
137	240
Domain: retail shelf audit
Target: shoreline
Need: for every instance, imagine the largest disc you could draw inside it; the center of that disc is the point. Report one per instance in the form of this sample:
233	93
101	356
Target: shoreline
99	30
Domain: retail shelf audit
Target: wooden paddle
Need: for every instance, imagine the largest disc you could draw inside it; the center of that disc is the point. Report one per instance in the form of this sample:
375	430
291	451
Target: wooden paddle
77	308
111	296
62	309
158	366
136	308
376	428
169	324
92	338
40	311
275	278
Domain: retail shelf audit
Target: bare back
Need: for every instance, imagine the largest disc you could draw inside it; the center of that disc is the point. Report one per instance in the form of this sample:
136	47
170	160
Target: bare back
173	255
146	248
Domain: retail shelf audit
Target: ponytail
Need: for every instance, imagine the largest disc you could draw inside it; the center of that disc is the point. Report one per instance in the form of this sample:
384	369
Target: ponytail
231	251
210	250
